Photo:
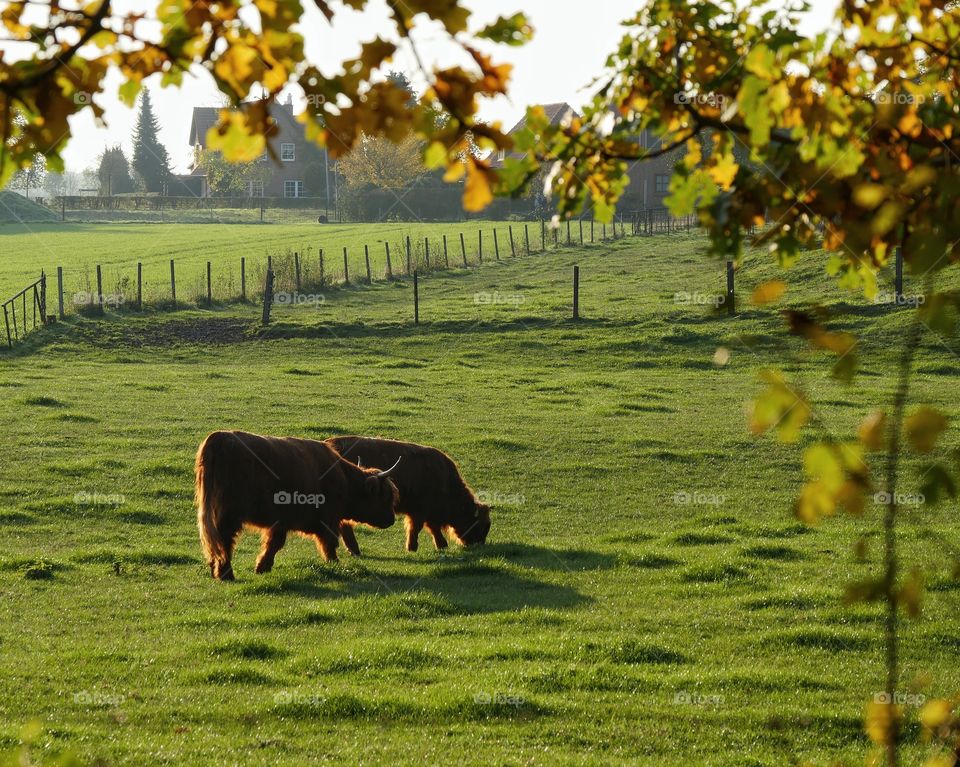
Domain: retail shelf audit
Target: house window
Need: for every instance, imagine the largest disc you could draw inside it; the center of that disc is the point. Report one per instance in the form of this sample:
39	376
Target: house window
288	152
293	189
501	155
661	183
254	189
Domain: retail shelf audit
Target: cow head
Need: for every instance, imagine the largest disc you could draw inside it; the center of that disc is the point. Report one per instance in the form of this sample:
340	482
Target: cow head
378	506
473	526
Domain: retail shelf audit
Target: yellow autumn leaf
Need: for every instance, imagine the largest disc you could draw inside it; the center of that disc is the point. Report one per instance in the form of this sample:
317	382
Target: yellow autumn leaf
477	193
936	713
724	170
872	431
768	292
924	427
880	720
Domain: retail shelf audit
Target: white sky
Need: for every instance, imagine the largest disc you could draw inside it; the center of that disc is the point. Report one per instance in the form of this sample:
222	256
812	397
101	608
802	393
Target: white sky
570	46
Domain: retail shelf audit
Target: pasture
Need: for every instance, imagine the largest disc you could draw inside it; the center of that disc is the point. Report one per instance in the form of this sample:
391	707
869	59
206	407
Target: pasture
646	596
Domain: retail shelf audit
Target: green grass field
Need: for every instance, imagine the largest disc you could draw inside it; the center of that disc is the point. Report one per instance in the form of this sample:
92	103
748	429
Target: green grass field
646	597
117	248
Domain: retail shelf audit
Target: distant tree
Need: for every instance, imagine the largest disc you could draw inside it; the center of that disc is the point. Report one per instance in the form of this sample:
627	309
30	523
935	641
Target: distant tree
381	163
113	172
150	159
63	184
231	178
30	177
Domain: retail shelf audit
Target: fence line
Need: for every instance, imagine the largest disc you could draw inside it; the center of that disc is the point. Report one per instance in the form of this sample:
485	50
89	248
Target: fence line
38	304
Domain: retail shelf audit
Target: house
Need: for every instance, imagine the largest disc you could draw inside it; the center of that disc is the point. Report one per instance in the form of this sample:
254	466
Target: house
649	179
299	171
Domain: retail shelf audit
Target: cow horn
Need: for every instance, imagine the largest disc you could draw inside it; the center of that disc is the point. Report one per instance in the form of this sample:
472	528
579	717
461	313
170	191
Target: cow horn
359	462
388	471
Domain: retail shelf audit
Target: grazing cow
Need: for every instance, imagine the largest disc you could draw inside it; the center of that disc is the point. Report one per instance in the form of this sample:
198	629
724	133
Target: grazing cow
279	485
432	492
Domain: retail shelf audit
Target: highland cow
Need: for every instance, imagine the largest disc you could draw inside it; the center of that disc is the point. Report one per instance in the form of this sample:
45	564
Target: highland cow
279	485
432	492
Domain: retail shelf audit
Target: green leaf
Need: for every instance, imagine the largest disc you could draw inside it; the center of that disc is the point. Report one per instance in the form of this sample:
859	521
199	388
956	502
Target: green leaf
513	30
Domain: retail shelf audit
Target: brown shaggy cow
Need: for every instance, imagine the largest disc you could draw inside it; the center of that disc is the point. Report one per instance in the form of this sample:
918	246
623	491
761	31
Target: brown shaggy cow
432	492
279	485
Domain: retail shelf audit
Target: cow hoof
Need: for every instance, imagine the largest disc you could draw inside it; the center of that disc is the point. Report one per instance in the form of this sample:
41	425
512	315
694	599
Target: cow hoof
226	575
263	567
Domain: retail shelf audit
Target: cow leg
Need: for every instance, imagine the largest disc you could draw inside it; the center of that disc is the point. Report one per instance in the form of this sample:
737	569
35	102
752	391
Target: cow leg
414	526
327	546
220	568
438	540
273	540
349	538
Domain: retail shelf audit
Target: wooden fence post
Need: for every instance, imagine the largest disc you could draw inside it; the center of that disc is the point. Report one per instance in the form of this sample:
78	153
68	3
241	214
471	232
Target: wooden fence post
463	249
209	287
173	285
346	269
898	279
496	245
731	291
513	249
323	275
296	267
576	292
526	237
416	299
389	265
267	297
243	278
591	231
569	241
99	291
581	232
366	256
43	297
6	319
446	256
60	292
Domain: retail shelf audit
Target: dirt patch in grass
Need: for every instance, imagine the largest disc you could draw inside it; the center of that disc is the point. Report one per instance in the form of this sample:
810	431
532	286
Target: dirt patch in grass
213	330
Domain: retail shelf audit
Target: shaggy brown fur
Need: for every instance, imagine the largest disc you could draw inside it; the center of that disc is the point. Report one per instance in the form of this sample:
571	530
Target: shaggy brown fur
432	492
244	480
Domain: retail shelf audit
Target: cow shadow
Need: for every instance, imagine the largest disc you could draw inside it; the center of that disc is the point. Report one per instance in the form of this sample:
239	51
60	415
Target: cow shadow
553	559
458	585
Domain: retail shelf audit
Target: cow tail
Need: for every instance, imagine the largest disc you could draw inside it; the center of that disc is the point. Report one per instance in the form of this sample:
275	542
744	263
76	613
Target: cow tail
209	507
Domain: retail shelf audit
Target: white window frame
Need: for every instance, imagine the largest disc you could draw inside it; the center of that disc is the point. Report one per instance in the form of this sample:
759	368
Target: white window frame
284	148
656	183
297	188
254	189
